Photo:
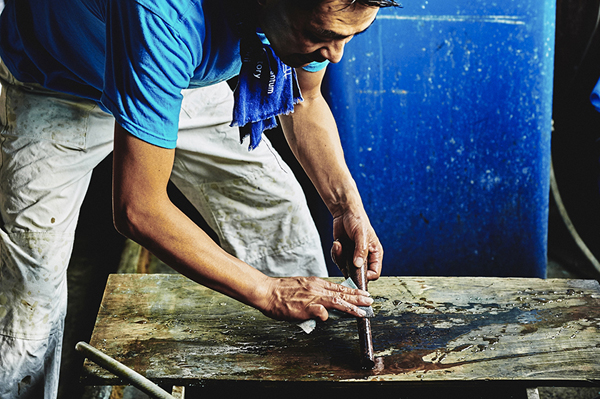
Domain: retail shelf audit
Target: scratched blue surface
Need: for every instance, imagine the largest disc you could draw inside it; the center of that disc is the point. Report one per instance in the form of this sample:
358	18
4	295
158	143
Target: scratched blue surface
444	109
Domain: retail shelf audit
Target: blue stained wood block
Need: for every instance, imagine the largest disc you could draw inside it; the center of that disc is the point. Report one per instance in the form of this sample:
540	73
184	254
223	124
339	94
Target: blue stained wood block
444	110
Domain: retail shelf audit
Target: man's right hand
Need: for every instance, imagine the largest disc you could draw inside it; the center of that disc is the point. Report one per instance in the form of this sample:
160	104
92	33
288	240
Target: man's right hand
302	298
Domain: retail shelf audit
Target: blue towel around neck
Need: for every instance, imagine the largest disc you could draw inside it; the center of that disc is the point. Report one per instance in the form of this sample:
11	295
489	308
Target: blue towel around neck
266	88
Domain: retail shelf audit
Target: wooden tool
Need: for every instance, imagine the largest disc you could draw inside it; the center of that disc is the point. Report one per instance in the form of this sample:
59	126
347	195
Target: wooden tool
359	276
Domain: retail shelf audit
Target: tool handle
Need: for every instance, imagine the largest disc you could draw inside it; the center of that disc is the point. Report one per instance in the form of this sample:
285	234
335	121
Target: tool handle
120	370
359	276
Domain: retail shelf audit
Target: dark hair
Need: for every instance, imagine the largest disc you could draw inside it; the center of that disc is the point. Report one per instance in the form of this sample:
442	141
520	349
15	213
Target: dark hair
375	3
311	4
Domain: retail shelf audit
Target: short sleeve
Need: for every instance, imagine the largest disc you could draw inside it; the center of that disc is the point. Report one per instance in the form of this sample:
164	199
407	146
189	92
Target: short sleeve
147	65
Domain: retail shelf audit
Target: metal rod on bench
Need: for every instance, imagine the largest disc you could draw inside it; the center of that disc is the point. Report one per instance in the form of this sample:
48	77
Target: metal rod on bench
119	369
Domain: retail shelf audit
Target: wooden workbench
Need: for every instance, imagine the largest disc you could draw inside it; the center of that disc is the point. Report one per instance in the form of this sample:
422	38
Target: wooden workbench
427	331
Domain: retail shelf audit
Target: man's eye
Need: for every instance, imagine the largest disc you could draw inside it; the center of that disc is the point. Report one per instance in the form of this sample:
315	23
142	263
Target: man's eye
313	38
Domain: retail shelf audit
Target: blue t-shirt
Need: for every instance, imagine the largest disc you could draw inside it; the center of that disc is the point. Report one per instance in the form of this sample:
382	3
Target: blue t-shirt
131	56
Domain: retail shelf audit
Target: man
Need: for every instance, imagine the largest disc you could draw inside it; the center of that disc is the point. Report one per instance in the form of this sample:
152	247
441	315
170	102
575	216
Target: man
76	71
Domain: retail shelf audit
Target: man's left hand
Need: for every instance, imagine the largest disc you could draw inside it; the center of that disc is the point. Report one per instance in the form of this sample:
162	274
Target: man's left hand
367	248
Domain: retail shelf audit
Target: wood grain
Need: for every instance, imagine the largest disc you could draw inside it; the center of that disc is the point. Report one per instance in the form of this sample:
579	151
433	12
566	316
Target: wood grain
429	329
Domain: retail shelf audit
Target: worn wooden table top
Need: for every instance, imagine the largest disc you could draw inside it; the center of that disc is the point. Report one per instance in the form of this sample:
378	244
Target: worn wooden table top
426	329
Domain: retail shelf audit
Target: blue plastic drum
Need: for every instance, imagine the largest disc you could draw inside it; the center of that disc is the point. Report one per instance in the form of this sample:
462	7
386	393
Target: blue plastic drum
444	109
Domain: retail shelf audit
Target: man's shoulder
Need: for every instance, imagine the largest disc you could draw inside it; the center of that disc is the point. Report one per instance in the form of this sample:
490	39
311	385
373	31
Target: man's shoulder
174	12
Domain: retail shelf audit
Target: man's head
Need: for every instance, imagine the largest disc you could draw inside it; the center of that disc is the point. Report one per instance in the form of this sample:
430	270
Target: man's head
303	31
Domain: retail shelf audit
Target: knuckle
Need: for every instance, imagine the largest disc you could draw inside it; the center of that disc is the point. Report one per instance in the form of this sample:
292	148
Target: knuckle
339	301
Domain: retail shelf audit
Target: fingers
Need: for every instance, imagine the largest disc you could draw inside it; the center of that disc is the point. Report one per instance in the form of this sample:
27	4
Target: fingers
301	298
367	248
346	299
375	261
350	294
347	307
319	310
361	251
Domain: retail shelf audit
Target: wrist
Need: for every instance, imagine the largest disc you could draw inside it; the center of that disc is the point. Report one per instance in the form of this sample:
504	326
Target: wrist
343	198
263	294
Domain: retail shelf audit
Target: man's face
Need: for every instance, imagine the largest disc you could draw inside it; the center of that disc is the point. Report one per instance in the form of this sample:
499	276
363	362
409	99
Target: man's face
300	36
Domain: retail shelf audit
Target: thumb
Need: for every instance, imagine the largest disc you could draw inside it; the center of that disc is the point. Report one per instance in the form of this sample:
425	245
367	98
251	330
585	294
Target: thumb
361	251
336	250
318	311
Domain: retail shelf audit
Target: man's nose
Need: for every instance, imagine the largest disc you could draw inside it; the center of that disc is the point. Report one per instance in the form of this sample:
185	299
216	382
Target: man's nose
334	51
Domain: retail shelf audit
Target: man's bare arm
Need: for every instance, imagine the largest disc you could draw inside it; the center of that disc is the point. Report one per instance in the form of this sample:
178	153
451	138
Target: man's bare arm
143	211
313	137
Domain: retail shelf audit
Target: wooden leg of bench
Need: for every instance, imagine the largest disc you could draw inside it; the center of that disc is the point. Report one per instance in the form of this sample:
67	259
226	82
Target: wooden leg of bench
179	392
533	393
